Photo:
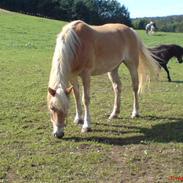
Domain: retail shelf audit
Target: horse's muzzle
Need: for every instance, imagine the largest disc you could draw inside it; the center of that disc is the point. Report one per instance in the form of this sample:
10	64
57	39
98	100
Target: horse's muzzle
58	135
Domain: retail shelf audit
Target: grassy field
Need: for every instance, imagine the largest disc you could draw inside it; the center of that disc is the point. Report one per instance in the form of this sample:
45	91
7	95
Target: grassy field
148	149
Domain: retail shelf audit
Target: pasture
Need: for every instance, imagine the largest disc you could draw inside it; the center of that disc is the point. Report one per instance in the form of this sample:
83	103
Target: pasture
146	149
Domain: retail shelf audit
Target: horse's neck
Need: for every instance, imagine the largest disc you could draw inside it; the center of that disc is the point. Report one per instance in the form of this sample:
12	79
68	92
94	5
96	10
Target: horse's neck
173	51
177	51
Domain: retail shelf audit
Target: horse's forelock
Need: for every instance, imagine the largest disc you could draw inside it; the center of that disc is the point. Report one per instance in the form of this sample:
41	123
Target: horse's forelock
59	101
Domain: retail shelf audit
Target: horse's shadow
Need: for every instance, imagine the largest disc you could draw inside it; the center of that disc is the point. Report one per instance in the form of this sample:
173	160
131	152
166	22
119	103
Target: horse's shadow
170	131
159	34
176	81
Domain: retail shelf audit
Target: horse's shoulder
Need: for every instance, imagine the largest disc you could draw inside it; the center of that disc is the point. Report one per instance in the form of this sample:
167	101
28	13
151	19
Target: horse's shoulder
80	26
83	30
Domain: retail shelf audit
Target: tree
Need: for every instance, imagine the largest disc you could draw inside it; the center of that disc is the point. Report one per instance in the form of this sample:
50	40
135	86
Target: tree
81	11
91	11
112	11
140	23
165	24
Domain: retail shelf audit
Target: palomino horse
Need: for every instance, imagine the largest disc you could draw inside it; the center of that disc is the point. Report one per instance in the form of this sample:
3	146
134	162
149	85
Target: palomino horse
163	53
84	50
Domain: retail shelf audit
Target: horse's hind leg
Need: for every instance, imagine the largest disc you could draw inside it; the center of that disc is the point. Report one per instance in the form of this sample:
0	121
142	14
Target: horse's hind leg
116	83
78	117
132	67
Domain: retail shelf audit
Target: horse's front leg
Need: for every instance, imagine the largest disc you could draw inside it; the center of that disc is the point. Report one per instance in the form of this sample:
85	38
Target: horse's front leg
116	83
86	102
78	117
167	71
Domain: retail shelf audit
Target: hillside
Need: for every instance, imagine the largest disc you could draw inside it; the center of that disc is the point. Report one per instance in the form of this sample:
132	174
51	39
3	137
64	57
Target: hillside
91	11
146	149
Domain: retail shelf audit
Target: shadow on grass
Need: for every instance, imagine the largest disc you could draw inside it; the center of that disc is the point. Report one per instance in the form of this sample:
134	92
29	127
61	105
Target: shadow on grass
170	131
177	81
159	34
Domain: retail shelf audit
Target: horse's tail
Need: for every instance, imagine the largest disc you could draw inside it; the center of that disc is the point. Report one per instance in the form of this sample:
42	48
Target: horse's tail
148	67
65	51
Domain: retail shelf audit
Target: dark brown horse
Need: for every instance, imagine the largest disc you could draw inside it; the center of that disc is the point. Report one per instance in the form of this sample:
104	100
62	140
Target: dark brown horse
164	53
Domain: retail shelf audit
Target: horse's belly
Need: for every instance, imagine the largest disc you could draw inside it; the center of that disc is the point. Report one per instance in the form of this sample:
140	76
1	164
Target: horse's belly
104	66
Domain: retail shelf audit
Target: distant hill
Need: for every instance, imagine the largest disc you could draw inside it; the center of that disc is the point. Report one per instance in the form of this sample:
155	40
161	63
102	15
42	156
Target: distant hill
172	23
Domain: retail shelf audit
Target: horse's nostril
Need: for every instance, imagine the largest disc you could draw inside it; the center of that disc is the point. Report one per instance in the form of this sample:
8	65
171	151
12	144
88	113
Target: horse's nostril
58	135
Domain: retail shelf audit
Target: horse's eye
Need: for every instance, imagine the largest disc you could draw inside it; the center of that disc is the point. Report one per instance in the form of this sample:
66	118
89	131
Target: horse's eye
52	108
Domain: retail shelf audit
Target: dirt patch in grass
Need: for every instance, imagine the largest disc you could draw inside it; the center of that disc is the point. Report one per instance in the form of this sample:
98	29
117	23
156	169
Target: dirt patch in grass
144	163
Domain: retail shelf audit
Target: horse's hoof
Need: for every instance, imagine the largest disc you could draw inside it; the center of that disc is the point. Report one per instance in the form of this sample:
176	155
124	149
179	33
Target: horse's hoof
79	121
113	117
85	130
135	116
58	135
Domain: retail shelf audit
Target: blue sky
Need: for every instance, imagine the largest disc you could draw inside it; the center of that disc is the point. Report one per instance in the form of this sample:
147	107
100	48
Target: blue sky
153	8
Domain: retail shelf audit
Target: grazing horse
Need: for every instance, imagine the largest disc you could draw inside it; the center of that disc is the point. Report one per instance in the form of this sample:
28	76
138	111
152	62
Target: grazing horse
163	53
150	28
83	50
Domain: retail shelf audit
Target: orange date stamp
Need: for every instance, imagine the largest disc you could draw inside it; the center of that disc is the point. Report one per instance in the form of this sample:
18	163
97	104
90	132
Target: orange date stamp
176	178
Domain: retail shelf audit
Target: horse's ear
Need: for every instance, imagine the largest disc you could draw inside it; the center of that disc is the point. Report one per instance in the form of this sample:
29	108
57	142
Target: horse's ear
52	91
68	90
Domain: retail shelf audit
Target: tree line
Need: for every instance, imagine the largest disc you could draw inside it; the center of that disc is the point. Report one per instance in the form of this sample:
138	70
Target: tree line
164	24
91	11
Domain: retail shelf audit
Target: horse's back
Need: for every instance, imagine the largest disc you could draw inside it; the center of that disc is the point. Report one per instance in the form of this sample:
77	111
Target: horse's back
109	31
103	47
110	44
114	33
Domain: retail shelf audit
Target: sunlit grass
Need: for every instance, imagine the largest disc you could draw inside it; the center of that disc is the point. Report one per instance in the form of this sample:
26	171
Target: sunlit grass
147	149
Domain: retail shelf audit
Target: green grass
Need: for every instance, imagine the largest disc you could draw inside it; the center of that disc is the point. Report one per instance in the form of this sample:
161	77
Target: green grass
147	149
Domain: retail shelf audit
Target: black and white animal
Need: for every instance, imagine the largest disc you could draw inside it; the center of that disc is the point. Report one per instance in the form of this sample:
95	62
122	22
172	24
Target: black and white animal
163	53
150	28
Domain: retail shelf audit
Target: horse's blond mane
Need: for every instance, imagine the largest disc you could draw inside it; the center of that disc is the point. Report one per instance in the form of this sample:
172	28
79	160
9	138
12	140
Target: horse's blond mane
65	51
